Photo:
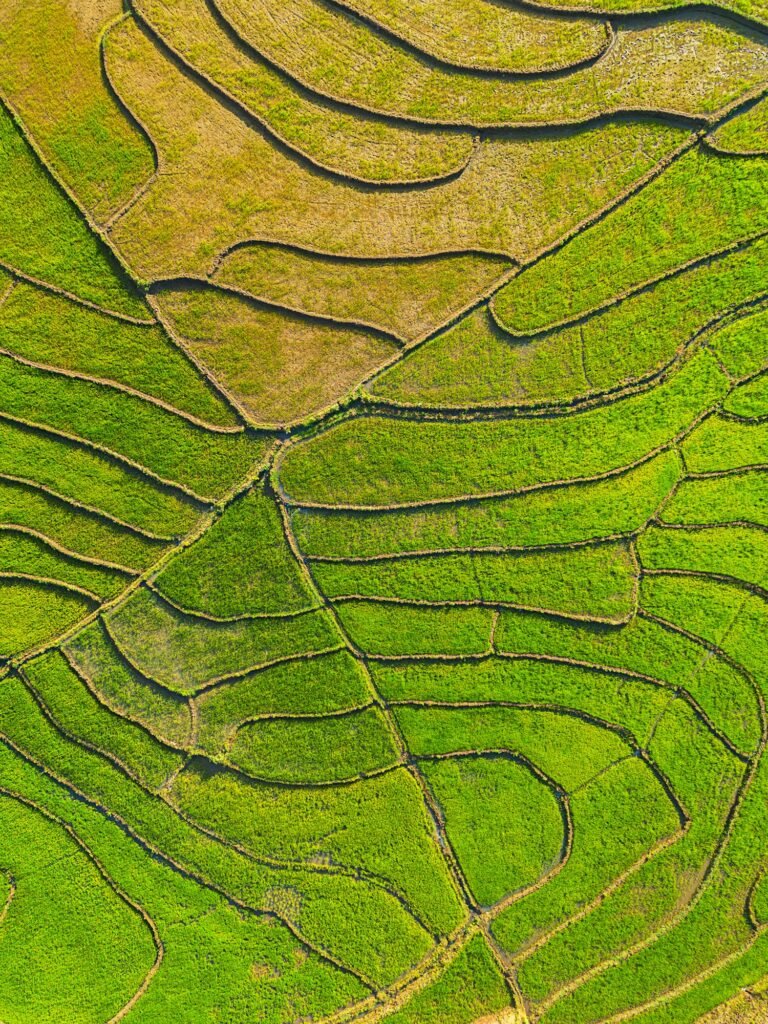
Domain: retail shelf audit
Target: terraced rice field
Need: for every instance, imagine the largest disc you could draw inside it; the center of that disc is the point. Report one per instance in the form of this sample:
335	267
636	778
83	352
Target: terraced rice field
383	512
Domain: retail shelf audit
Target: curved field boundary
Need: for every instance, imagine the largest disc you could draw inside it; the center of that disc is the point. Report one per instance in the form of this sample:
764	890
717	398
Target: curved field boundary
9	898
561	798
89	509
703	120
82	212
627	293
99	696
118	891
206	617
551	71
468	498
156	853
204	372
129	116
128	464
54	545
192	283
254	120
38	283
49	583
640	12
215	428
733	813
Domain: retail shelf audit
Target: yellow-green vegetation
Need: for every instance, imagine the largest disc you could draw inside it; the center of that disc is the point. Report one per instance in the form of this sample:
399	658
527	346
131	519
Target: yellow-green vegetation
51	331
379	461
629	340
747	132
506	825
186	653
43	236
594	581
701	204
478	34
241	565
225	183
647	68
348	143
278	366
383	511
52	75
315	750
406	297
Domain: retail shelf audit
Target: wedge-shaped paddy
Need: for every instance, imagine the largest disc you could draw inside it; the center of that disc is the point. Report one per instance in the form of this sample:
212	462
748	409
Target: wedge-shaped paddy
596	581
471	988
506	826
315	750
44	235
307	686
73	947
580	512
700	204
722	444
93	479
124	690
634	704
351	144
740	552
34	613
745	133
379	826
185	653
397	630
720	499
648	649
52	74
357	921
23	554
545	738
217	960
206	462
749	400
705	778
327	50
741	344
480	35
618	817
498	204
378	461
628	341
67	526
47	329
80	714
715	926
241	565
407	297
278	366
